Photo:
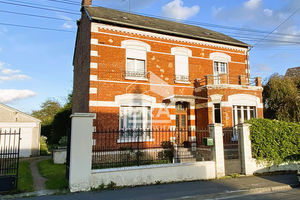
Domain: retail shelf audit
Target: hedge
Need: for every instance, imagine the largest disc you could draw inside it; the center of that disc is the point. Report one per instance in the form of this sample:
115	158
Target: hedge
275	141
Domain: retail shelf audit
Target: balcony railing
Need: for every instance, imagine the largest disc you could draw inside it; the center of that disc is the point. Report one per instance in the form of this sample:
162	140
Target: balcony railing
182	78
135	74
224	79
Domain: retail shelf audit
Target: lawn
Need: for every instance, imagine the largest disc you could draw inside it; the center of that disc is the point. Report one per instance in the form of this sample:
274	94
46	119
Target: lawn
25	180
54	173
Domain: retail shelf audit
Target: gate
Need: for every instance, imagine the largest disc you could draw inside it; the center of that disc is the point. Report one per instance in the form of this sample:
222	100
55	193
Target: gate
9	158
231	151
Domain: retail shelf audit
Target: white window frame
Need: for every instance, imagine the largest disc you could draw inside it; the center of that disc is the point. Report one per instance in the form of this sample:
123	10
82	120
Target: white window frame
184	53
213	111
218	57
135	50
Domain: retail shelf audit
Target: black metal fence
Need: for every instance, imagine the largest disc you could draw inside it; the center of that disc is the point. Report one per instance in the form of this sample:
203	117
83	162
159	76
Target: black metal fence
9	158
134	147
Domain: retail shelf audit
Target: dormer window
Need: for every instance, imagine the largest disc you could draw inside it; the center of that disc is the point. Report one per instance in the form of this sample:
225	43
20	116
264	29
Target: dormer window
181	64
136	59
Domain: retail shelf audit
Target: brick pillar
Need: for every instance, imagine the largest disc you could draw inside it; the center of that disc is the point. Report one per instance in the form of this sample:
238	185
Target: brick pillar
81	151
243	80
224	78
245	148
209	80
258	81
216	132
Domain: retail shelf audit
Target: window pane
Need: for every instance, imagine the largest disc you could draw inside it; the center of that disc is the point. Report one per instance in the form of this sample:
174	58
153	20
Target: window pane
239	112
177	121
217	110
130	65
183	121
138	117
252	112
245	113
148	117
140	66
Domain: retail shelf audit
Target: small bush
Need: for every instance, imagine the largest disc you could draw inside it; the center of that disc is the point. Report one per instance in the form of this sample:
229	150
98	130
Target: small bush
168	152
111	185
275	141
44	151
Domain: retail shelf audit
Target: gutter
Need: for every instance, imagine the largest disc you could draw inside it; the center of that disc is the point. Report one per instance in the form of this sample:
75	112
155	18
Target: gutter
98	19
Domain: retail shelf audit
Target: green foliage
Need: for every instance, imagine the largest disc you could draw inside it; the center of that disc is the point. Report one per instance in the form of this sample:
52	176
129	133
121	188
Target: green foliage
25	182
48	109
63	141
54	173
43	146
112	185
274	141
281	98
168	152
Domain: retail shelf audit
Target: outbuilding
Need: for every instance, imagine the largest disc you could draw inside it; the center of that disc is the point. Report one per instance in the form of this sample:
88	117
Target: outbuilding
13	120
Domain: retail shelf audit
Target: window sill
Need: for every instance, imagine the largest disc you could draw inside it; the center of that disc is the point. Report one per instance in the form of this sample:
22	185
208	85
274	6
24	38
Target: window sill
129	140
183	82
136	78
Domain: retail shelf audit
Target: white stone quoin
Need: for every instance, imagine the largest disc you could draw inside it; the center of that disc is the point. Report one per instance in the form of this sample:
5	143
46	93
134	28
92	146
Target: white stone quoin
216	132
81	151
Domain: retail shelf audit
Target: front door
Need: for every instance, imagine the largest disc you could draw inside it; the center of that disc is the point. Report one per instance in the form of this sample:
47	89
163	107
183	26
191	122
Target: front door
181	122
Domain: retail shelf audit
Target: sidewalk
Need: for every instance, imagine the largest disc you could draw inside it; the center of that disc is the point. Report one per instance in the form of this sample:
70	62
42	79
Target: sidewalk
189	190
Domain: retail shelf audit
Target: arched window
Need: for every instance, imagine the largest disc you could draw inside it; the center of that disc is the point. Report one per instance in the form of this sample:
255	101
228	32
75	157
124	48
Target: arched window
136	59
181	64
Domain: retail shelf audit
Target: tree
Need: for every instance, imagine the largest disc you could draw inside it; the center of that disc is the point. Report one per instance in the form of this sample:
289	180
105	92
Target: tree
61	123
48	109
281	99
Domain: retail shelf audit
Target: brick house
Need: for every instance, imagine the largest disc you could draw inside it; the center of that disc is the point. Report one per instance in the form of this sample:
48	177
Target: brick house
135	71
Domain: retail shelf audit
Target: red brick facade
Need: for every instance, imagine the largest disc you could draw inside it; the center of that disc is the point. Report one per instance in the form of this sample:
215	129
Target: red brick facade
107	66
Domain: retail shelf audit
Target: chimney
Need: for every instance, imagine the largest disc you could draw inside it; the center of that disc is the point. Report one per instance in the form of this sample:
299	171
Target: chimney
86	3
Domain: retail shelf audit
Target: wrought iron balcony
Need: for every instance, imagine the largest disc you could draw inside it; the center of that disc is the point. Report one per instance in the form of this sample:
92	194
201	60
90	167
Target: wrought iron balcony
135	74
182	78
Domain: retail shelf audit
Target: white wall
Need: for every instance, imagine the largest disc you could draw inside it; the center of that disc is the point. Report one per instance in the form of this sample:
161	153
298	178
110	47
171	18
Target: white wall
150	174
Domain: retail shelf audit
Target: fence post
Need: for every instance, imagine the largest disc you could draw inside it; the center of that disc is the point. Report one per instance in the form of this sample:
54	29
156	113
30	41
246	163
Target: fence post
81	151
245	148
216	132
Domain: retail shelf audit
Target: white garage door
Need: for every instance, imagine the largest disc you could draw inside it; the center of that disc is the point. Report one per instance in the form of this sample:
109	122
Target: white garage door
26	142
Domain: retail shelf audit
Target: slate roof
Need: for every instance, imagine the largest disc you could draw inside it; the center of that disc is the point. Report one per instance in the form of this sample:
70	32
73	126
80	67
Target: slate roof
124	19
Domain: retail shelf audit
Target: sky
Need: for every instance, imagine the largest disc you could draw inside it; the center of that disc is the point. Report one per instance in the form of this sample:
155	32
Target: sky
36	64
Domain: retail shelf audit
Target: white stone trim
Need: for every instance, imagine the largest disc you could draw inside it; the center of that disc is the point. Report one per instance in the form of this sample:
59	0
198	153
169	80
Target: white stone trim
244	100
135	99
230	86
94	53
139	83
115	104
94	41
220	57
192	117
93	90
181	51
196	57
216	98
93	65
97	26
93	77
135	44
18	125
172	117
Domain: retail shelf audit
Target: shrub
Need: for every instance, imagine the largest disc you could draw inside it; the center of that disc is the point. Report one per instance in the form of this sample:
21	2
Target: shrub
168	152
274	141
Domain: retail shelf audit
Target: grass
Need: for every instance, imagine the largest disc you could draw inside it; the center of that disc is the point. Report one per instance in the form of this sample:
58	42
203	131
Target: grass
25	180
54	173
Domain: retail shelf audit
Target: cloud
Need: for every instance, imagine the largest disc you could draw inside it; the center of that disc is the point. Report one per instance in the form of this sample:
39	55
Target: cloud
268	12
252	13
10	95
175	9
7	74
67	25
252	4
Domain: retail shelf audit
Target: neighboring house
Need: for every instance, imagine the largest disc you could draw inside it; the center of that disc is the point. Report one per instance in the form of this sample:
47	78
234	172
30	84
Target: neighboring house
12	120
135	71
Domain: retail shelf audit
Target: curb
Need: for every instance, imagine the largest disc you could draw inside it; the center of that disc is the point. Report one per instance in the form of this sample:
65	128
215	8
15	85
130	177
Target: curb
239	193
33	194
